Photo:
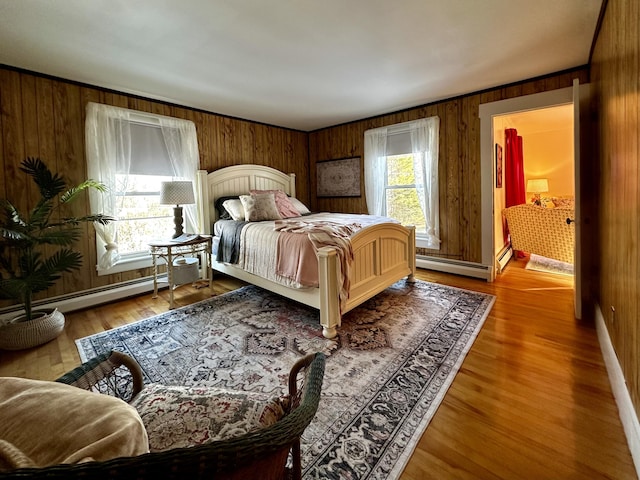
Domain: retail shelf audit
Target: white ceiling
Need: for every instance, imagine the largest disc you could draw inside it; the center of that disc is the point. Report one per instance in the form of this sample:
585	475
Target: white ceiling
541	120
302	64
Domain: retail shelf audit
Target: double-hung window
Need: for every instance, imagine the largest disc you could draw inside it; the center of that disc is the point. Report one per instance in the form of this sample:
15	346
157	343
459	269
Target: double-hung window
133	153
401	176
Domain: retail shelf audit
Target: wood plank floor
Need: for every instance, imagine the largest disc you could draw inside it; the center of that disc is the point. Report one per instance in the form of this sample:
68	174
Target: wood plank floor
531	401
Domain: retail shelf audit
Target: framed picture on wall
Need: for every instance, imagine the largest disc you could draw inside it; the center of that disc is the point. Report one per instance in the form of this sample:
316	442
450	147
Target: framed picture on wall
338	178
498	165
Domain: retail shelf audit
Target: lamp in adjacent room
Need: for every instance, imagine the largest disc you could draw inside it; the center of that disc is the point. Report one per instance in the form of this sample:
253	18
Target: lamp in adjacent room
537	186
177	193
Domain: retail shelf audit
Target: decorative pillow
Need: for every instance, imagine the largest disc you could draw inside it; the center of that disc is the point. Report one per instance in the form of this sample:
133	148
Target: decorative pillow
563	202
176	416
48	423
284	205
259	207
235	209
299	206
545	202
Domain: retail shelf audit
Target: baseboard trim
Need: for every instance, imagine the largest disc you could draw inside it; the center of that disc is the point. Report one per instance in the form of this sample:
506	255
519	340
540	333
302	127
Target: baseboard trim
620	392
88	298
467	269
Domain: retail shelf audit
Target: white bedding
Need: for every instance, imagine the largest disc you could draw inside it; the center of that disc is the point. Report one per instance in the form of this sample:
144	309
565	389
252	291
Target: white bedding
258	243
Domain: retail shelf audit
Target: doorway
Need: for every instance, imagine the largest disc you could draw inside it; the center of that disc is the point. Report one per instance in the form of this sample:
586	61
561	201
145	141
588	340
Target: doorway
549	173
578	96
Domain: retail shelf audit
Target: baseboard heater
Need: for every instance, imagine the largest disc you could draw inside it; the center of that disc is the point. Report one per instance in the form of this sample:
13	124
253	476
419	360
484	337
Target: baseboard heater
458	267
89	298
503	257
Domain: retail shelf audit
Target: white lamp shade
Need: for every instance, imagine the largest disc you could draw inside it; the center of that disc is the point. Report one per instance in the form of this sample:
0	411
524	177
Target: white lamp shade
537	185
177	193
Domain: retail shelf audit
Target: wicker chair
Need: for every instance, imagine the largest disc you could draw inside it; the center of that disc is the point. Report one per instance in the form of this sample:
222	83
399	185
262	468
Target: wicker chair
261	454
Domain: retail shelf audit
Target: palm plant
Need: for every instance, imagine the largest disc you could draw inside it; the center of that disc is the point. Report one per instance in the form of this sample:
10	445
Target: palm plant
25	267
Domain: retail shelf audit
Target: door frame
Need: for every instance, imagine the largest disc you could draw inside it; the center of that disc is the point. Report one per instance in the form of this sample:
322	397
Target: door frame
487	112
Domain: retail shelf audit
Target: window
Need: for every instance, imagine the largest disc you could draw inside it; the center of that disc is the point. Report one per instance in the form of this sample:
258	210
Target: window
140	216
132	153
401	176
401	197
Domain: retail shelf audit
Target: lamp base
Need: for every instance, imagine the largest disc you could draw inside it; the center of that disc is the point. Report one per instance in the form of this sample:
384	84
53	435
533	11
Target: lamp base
177	220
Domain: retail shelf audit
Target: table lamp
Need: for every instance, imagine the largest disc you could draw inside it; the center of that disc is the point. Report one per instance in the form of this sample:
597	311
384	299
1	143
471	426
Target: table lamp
177	193
537	186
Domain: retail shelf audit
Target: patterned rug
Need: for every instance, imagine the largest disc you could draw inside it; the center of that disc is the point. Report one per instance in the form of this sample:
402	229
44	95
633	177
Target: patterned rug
548	265
386	372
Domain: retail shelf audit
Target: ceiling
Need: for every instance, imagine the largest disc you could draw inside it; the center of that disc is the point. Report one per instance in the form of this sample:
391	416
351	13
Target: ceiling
302	64
550	119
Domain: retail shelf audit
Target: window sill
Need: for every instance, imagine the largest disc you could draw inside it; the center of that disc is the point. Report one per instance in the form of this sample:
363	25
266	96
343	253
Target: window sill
422	242
128	264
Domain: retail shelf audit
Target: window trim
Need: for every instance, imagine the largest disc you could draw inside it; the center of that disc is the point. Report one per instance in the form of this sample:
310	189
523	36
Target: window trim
425	139
107	143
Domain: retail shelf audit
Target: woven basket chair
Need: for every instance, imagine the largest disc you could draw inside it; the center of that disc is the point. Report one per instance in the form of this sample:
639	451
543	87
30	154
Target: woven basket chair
261	454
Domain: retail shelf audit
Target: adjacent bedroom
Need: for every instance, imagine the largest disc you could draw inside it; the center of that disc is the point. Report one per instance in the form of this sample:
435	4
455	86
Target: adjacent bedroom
535	189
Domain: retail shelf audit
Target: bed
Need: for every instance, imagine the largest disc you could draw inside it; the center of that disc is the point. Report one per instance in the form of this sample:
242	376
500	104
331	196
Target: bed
383	253
543	231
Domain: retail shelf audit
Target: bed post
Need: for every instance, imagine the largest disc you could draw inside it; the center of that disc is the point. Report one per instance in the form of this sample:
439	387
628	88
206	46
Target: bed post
292	185
411	253
330	318
203	207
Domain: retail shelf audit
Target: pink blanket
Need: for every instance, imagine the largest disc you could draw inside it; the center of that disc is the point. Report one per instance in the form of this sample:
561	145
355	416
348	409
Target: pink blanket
299	242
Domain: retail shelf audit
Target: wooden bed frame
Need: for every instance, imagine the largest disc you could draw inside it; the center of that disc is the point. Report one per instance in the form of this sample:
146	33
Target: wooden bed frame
384	253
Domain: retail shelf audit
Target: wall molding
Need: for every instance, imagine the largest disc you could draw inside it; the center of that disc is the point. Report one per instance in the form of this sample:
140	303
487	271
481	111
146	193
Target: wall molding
621	394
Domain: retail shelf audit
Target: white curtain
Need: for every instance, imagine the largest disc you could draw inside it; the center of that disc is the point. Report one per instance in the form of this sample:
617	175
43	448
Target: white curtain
375	157
182	144
424	143
108	140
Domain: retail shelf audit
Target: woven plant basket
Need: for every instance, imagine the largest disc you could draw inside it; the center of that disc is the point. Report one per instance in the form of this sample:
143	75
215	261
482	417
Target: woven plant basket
19	333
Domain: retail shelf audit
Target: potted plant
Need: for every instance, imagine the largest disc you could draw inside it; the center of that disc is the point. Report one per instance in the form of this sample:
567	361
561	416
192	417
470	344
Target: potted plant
35	251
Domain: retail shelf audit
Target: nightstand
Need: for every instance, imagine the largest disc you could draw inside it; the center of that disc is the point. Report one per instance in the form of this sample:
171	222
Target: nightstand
177	254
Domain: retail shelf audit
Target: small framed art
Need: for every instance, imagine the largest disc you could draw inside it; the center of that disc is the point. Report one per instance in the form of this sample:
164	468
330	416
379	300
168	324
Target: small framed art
498	165
338	178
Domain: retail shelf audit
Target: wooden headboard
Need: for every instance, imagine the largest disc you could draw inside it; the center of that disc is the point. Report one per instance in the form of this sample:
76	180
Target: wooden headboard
236	180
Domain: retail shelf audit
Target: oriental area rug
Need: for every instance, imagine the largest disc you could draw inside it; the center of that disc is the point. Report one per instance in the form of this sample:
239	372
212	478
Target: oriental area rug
386	372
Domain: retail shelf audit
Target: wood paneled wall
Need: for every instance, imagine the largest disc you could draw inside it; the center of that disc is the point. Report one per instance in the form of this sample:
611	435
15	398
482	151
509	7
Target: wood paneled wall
459	165
615	78
41	116
44	117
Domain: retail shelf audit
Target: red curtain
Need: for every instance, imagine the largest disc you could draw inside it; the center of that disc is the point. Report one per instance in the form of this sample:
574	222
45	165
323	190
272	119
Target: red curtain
514	169
514	174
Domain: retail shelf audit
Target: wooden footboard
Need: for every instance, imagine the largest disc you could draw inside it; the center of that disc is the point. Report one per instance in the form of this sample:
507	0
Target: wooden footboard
383	254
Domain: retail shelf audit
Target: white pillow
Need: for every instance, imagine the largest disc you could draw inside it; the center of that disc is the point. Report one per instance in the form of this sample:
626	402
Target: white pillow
235	209
259	207
301	207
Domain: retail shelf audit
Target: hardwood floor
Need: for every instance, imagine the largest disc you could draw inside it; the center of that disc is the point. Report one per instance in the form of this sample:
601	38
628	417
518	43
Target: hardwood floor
531	401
